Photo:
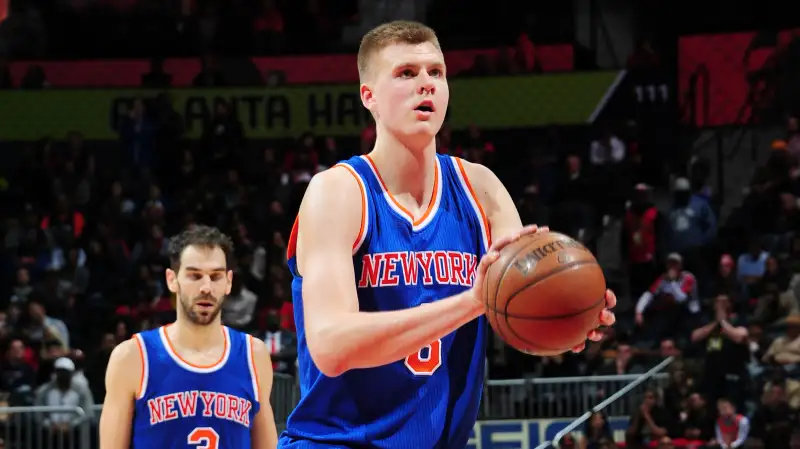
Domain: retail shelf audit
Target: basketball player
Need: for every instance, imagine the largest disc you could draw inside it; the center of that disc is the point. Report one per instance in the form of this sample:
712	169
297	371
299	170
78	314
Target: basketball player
193	383
388	254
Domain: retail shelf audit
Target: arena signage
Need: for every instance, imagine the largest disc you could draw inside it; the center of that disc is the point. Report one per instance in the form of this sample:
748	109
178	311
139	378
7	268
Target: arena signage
318	69
527	434
491	103
721	69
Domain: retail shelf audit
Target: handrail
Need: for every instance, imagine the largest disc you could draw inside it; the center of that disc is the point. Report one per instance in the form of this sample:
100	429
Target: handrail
566	380
623	391
45	409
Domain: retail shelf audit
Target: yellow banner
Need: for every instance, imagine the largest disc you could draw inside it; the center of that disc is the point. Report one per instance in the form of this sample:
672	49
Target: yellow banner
491	103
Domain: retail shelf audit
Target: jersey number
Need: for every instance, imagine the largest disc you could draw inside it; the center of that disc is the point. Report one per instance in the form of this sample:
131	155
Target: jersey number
204	438
427	360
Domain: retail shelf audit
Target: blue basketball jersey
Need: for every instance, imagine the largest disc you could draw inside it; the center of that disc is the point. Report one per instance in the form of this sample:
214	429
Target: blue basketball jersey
430	399
181	405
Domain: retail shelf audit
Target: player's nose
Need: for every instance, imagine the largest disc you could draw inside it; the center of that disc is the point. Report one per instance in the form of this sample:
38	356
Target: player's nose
426	86
205	285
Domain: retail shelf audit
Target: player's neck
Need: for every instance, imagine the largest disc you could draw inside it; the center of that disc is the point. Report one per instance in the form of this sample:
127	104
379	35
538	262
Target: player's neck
190	335
404	169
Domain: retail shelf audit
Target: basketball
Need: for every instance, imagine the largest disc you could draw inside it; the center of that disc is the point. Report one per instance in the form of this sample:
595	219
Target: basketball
544	294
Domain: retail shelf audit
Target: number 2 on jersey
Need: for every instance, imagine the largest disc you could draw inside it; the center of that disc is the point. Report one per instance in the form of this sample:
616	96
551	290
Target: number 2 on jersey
427	360
204	438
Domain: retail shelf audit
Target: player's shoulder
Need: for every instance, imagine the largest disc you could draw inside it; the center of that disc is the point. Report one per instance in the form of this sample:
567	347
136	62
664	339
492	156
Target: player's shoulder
127	359
336	190
481	179
340	176
258	351
478	174
241	336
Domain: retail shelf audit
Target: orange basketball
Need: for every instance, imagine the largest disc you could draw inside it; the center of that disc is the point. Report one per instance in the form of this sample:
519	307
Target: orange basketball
544	293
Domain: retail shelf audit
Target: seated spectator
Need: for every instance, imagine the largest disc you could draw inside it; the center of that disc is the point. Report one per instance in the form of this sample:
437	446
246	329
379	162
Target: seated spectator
775	301
773	420
642	227
61	392
726	282
240	305
649	423
697	423
751	267
692	226
595	431
785	350
670	300
17	376
281	343
732	429
677	392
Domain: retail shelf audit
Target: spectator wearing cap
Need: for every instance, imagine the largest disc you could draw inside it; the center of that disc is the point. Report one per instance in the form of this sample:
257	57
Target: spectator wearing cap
785	350
641	228
60	392
669	301
692	227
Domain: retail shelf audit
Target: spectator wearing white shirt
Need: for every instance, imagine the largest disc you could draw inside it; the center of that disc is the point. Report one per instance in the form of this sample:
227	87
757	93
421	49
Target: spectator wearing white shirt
239	306
60	392
606	150
732	429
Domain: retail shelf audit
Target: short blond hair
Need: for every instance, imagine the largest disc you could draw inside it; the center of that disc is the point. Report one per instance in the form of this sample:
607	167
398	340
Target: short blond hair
392	33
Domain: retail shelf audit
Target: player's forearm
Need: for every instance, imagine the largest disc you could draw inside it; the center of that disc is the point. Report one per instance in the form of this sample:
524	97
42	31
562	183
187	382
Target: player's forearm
369	339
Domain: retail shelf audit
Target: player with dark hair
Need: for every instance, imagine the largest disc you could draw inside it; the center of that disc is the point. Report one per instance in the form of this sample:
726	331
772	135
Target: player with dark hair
193	382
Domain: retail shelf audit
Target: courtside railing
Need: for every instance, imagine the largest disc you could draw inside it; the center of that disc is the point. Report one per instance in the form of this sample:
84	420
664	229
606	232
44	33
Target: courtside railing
556	397
562	397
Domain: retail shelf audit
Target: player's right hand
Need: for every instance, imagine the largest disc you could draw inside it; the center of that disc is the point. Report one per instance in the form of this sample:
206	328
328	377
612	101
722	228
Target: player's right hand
493	254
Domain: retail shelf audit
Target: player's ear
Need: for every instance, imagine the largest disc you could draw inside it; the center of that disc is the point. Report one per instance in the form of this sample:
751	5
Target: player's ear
230	282
367	98
172	280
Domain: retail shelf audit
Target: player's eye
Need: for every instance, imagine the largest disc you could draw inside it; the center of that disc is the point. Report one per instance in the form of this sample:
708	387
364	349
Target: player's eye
196	276
436	72
407	73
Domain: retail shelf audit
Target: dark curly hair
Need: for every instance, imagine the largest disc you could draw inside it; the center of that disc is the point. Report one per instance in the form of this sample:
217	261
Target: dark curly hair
203	236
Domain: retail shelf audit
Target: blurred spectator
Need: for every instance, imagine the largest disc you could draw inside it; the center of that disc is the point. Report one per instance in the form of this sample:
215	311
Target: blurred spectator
281	343
726	354
692	226
642	228
726	282
671	301
239	305
785	350
156	78
697	423
595	431
773	420
650	422
574	197
732	429
17	376
61	392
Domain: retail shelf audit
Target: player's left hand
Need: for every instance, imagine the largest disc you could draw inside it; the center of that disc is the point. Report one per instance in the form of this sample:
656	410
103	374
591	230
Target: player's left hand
607	318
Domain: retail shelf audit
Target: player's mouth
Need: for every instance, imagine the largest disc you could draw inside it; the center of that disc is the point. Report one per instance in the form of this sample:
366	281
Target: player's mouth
205	305
425	109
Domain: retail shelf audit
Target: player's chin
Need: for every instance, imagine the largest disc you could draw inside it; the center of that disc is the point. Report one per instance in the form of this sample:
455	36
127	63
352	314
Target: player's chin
426	128
205	316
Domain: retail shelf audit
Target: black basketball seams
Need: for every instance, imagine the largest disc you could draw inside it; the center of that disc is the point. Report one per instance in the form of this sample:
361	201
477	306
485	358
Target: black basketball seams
511	328
493	308
539	278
